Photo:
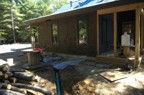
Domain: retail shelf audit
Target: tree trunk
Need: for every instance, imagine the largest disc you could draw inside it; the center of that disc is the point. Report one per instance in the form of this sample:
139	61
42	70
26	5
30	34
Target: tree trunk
10	74
19	90
0	85
6	86
45	92
9	92
4	81
25	81
13	71
24	76
4	67
12	80
1	73
5	76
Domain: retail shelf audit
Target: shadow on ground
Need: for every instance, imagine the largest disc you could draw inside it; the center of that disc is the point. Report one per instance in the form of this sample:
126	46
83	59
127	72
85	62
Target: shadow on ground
83	79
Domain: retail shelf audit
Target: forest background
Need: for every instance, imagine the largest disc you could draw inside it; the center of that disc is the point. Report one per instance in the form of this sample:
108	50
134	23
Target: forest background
14	12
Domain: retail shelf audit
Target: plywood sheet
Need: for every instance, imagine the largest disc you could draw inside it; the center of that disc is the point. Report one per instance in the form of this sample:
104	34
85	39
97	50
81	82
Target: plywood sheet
114	75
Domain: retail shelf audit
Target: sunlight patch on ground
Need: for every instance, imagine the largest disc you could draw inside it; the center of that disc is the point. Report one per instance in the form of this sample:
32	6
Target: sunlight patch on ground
135	80
2	61
11	53
120	87
9	61
95	84
12	47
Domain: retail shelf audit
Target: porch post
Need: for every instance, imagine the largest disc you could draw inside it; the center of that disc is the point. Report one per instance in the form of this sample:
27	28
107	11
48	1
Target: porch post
137	39
115	34
97	34
143	26
142	31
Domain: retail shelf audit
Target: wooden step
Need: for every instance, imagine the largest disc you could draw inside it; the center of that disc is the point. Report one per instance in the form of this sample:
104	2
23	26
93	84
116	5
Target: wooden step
113	60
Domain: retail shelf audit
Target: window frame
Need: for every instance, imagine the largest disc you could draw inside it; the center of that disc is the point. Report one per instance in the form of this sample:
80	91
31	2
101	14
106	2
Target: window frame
84	19
52	35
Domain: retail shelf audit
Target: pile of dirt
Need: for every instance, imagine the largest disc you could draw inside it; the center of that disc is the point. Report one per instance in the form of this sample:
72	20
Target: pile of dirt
85	79
82	79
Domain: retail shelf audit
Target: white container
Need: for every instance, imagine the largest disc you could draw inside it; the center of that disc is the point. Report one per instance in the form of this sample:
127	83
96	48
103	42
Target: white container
10	61
125	39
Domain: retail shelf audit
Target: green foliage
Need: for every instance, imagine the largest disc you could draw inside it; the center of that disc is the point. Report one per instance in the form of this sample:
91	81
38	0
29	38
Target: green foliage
1	36
23	10
3	7
56	4
9	9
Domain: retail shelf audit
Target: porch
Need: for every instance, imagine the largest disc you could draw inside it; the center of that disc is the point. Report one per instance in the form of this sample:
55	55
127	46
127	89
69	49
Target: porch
111	25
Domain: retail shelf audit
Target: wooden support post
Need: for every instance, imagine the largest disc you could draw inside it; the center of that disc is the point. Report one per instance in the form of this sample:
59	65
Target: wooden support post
33	57
33	41
137	39
115	34
142	31
97	44
143	27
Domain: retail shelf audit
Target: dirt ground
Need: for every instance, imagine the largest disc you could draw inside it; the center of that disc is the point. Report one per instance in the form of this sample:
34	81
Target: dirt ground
82	79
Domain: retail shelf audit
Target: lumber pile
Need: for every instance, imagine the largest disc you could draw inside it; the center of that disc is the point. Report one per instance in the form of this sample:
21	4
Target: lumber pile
12	79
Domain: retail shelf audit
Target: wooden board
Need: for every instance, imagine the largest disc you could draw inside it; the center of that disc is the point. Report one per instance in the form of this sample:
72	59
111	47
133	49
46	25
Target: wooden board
97	34
120	8
137	39
114	75
115	34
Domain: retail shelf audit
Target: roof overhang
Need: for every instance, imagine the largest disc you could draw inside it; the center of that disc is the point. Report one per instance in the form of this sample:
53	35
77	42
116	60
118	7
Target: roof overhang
80	11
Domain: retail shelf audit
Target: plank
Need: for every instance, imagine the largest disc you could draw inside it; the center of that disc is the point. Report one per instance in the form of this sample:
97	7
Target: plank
97	34
137	39
120	8
114	75
115	34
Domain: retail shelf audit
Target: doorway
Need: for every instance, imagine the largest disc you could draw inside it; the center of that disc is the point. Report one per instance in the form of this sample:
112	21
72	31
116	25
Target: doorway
126	24
106	35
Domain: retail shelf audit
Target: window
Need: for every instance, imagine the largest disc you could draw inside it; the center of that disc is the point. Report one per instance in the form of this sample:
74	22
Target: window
54	33
82	31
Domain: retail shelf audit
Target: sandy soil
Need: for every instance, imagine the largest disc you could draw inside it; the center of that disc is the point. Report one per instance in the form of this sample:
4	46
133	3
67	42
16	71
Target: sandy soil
82	79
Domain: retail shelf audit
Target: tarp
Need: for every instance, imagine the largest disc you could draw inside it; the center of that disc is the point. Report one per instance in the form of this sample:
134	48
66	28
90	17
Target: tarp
71	61
50	60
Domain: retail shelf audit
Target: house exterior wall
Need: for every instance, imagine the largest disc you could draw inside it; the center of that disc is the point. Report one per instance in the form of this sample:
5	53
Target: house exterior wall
68	36
44	35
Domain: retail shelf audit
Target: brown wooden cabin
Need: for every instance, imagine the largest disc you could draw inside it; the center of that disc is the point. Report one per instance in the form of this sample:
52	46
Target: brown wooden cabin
95	31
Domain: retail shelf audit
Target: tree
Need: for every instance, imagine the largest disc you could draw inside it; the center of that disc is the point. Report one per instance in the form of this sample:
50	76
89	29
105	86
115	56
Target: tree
14	13
3	7
10	20
44	6
37	8
56	4
31	9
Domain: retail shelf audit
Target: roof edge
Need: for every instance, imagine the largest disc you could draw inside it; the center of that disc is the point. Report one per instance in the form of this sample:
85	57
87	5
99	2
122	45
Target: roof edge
77	11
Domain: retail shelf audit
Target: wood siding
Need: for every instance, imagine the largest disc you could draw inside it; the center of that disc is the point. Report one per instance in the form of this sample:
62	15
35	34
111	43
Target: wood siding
68	36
